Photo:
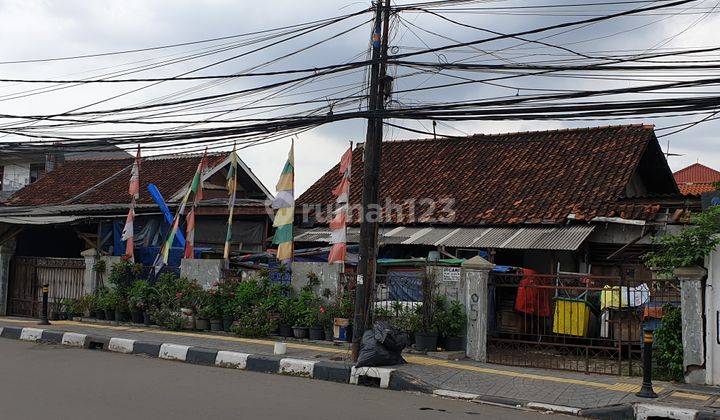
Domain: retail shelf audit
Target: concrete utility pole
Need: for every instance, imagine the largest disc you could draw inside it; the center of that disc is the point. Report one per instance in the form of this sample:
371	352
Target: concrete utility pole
371	179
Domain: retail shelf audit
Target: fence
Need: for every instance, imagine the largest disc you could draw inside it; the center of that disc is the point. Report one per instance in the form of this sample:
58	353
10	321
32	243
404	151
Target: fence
64	276
573	321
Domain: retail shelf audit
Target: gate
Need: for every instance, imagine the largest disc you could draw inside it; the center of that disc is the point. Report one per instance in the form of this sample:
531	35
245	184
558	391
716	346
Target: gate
63	275
574	322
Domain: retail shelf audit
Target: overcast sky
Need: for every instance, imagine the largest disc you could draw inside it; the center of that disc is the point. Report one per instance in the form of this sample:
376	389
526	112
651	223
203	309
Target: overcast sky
32	29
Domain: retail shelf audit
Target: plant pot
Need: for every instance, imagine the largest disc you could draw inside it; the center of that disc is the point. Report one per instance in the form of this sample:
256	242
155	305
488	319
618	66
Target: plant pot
426	341
137	317
110	314
100	314
316	333
92	314
202	324
286	331
119	316
300	332
452	343
227	323
146	318
216	325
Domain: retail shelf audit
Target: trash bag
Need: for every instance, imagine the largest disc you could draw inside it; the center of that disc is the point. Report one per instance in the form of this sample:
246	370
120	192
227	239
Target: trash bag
382	346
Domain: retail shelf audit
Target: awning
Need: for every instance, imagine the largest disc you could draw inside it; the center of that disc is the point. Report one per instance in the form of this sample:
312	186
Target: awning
39	220
559	238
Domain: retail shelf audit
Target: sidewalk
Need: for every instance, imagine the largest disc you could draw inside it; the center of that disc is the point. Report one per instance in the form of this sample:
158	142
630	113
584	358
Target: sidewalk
578	393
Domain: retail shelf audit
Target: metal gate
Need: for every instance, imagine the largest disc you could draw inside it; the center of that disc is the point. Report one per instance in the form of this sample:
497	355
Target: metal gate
573	322
63	275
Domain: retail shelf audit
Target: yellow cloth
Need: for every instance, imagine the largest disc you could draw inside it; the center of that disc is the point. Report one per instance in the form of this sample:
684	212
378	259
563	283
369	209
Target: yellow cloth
613	297
285	251
286	182
284	216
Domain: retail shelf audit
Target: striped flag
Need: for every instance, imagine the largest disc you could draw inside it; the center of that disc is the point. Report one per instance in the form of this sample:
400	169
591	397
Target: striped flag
232	190
285	205
338	224
128	232
197	189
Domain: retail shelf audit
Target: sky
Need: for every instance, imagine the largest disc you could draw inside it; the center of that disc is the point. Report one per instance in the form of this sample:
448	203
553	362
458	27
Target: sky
36	29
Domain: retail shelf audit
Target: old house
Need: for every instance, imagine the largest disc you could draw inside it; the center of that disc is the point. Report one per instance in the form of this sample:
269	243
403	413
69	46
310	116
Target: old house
576	200
696	179
82	205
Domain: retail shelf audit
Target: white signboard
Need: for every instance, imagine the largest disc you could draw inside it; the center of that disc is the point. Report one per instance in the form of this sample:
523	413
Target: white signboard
451	274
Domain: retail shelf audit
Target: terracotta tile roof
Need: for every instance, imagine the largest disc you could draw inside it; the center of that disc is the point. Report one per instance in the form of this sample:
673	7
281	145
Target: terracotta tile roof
532	177
696	179
105	181
696	189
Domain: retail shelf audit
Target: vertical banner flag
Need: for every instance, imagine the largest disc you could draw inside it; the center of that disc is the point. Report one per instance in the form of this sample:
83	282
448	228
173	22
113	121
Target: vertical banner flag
232	189
164	255
134	191
197	189
285	204
338	224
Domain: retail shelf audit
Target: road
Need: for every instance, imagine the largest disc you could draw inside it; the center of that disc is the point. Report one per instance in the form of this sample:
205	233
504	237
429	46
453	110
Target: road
42	381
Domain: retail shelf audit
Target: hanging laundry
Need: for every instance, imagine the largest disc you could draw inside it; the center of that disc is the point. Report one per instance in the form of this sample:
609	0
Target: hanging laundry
532	299
621	296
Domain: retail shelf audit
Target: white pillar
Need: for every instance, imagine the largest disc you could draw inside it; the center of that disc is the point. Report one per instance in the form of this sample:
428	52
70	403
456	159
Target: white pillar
7	250
712	319
693	331
475	273
90	276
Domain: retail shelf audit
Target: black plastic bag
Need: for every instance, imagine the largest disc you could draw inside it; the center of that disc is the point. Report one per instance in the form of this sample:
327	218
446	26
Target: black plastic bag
382	346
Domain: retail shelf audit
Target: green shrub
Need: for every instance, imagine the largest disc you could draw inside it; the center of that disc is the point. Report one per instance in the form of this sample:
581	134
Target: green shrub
668	353
140	295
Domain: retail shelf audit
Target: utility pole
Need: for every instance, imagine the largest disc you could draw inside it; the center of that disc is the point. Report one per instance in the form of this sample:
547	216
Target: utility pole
371	176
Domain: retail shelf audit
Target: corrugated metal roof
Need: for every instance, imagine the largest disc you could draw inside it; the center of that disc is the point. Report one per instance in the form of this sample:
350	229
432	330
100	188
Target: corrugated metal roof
561	238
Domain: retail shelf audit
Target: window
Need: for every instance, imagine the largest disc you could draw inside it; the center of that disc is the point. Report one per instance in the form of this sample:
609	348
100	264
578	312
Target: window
37	170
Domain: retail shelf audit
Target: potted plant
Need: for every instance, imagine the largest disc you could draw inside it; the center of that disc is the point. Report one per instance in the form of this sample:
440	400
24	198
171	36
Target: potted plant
100	303
317	329
138	299
406	319
426	337
287	316
450	319
203	311
326	316
112	303
87	306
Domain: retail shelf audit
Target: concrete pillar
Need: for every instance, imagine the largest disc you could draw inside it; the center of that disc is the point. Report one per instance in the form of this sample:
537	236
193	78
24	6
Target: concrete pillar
204	271
91	276
475	273
7	250
712	319
693	331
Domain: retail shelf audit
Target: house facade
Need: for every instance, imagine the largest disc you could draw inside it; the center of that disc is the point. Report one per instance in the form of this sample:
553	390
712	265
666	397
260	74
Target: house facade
576	200
79	210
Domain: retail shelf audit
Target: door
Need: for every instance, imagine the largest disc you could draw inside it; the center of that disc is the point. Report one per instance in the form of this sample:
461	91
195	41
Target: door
23	287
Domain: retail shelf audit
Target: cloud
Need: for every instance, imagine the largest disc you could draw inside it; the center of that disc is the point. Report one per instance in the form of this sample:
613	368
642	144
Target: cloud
46	28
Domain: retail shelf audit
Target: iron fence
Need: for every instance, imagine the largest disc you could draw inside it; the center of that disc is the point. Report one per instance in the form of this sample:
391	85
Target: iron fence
573	321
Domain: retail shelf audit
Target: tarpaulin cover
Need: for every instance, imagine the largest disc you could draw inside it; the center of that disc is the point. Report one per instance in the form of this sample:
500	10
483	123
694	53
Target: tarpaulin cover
382	346
531	299
405	285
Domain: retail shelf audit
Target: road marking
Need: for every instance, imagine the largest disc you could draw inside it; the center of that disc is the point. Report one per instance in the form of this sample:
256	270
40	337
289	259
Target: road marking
687	395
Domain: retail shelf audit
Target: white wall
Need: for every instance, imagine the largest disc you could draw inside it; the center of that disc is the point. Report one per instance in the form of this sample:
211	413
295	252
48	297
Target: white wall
15	176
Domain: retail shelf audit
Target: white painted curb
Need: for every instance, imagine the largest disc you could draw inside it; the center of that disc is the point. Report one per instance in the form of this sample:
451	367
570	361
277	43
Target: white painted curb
297	367
552	407
121	345
455	394
30	334
173	352
74	339
231	359
645	411
374	372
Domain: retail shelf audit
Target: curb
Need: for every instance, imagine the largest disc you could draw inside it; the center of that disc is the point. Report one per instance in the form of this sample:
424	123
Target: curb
382	377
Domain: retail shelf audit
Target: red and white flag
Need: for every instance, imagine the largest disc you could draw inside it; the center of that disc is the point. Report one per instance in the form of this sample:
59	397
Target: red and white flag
338	224
134	191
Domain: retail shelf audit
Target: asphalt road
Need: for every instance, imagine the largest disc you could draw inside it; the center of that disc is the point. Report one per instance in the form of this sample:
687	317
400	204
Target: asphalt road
41	381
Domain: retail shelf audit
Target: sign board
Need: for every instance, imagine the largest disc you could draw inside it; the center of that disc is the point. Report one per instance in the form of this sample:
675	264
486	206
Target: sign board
451	274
